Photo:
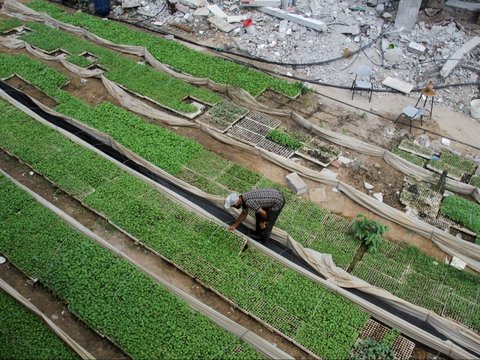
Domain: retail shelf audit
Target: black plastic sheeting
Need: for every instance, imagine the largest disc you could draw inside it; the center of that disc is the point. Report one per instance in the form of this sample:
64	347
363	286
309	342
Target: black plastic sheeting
216	211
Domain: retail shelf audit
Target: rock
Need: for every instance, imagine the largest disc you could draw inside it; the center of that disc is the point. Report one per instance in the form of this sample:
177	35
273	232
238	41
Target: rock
31	173
378	196
387	15
344	160
372	3
368	186
118	11
201	12
335	164
194	4
380	8
283	26
149	13
182	8
445	141
393	56
296	184
169	37
2	260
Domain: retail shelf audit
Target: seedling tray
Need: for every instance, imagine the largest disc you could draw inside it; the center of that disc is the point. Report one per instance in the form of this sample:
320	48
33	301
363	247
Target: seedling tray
411	147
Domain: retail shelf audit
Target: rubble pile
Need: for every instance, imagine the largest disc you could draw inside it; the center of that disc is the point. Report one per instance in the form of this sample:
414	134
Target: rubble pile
415	56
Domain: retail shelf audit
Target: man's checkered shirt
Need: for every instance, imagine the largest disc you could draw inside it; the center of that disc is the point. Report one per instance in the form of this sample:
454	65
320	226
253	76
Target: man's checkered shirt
263	198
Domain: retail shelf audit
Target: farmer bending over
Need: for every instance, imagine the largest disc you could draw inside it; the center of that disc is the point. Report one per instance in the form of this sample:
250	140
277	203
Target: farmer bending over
267	204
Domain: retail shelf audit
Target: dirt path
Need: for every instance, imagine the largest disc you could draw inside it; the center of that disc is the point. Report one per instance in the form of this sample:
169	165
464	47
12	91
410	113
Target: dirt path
140	254
57	311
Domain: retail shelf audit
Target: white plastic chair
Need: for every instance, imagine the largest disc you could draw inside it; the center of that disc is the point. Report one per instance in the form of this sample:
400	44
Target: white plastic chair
412	113
360	83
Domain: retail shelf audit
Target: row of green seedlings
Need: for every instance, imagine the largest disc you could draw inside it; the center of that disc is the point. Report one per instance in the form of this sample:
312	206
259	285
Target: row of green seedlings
462	211
322	322
456	165
186	159
109	294
135	76
420	279
24	336
176	55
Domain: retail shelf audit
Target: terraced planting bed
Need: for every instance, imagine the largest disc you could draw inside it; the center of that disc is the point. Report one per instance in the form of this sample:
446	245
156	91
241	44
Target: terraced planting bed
178	56
23	335
109	294
137	77
322	322
308	223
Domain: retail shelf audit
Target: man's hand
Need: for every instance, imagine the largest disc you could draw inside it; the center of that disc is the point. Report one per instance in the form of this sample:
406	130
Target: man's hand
232	227
263	224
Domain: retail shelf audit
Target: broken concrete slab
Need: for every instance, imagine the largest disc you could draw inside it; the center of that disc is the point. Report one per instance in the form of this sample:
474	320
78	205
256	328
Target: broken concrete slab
296	184
407	14
458	263
182	8
221	24
201	12
131	4
463	5
416	48
215	10
344	160
236	18
455	59
194	4
348	30
318	195
367	185
260	3
146	12
397	84
298	19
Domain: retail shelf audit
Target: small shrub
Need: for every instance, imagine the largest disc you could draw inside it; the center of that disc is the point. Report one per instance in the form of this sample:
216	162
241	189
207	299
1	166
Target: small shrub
369	231
369	349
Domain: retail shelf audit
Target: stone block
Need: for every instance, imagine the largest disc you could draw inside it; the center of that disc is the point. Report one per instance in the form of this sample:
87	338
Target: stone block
215	10
221	24
236	18
416	48
298	19
260	3
296	184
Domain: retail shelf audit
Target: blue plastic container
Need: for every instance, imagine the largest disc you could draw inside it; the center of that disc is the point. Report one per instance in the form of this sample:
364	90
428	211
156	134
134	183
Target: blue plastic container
102	7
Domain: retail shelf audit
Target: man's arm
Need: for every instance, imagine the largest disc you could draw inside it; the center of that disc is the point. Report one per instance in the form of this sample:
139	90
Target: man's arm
264	218
240	219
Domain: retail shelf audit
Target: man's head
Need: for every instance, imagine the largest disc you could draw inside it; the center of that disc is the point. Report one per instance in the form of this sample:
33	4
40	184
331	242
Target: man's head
232	200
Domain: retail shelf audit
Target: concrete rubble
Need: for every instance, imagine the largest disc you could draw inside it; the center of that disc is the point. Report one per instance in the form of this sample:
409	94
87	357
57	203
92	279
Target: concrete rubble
411	57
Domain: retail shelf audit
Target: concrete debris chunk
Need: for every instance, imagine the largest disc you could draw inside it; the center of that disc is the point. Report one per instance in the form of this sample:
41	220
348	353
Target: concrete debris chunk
458	263
182	8
399	85
194	4
298	19
344	160
215	10
296	184
236	18
378	196
416	48
146	12
368	186
329	173
131	4
348	30
221	24
201	12
380	8
260	3
407	13
458	56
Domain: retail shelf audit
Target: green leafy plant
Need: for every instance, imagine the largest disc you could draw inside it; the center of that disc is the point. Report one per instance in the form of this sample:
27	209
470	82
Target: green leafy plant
369	231
281	137
463	211
369	349
414	159
390	338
